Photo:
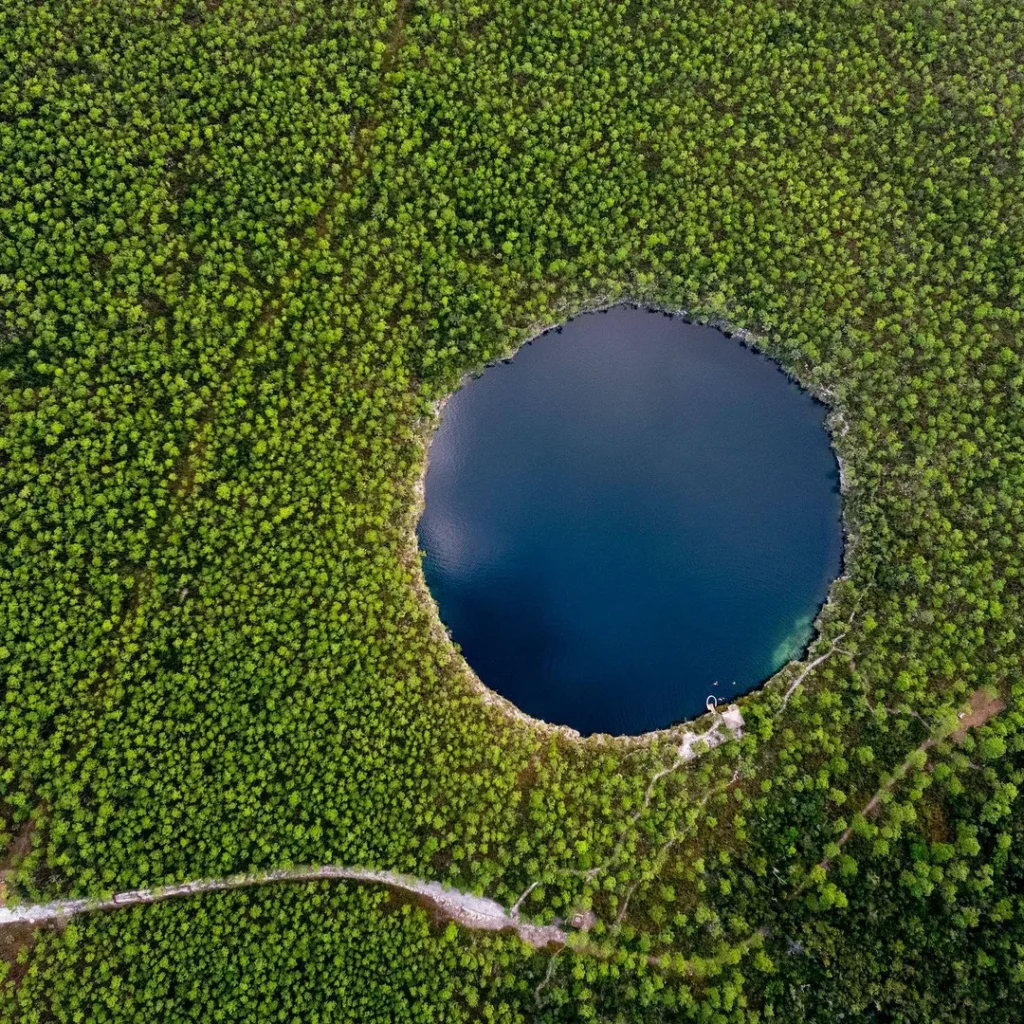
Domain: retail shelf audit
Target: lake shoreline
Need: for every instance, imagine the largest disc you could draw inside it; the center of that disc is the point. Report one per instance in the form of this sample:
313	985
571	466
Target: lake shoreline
684	732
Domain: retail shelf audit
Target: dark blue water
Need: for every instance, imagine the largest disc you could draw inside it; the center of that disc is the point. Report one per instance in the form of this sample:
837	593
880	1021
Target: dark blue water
631	512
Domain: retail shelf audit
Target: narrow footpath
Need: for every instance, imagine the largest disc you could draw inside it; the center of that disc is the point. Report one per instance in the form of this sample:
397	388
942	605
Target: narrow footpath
467	909
476	912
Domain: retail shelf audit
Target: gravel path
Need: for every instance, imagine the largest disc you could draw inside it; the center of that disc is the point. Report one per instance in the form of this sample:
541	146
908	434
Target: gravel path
467	909
476	912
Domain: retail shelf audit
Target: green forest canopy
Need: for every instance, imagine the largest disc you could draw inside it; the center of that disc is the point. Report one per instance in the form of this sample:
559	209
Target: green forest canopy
244	247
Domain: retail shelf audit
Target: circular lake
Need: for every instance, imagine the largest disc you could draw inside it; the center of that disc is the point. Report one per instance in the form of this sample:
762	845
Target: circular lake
631	515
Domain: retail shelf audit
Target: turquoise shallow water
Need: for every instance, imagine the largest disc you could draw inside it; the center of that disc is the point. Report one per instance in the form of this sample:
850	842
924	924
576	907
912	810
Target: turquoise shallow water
631	511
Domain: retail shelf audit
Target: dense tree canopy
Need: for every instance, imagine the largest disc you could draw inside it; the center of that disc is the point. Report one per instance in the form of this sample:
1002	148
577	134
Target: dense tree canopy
244	248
